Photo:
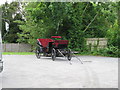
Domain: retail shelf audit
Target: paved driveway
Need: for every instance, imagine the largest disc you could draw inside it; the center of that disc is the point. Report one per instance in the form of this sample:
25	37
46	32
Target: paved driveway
25	71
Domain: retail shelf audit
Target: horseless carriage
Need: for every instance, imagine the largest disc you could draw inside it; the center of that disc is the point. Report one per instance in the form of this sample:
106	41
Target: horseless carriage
55	47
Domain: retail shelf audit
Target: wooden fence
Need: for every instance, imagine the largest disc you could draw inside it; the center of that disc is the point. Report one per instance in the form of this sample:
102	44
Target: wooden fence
96	43
16	47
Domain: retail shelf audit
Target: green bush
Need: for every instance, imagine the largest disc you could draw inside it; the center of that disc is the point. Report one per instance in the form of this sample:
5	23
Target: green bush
109	51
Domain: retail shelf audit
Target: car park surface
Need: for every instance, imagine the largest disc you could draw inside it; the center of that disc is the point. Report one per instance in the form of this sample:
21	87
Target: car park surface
26	71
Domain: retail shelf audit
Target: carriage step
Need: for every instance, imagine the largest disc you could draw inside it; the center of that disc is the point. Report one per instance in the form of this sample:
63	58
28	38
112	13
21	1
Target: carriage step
75	52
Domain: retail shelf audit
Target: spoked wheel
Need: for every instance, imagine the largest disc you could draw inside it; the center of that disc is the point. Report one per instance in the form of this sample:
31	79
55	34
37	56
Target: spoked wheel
53	54
69	54
38	52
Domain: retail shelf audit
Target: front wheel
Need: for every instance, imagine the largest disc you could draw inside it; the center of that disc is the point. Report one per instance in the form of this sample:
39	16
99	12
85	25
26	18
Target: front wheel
69	54
53	54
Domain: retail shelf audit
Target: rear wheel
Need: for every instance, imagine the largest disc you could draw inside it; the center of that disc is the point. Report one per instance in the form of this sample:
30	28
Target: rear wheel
38	52
69	54
53	54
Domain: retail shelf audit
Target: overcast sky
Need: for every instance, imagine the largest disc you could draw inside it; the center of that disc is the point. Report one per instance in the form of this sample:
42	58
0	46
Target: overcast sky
3	1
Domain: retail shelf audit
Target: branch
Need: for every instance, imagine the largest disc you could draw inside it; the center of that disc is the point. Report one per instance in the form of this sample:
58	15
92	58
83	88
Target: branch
58	24
84	9
90	22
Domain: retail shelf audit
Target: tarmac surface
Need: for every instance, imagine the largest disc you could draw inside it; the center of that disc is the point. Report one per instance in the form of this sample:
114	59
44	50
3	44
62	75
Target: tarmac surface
26	71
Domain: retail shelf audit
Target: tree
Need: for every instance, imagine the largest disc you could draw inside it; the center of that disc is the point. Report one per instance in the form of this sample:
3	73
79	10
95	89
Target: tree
11	13
74	21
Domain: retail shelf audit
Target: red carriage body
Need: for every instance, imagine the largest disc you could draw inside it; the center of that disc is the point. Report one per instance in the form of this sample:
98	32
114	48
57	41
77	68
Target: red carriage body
54	45
44	42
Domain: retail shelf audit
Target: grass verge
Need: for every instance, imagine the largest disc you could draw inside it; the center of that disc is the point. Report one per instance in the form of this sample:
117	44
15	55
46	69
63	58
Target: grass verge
32	53
96	54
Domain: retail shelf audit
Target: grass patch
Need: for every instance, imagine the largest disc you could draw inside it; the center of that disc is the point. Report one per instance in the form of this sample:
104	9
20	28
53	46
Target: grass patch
18	53
85	54
96	54
82	53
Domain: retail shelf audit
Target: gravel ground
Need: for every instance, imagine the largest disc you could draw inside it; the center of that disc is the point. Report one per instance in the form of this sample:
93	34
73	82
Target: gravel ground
26	71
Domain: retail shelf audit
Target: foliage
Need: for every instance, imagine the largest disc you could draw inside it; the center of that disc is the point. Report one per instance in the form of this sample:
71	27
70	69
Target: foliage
109	51
74	21
70	20
113	35
10	14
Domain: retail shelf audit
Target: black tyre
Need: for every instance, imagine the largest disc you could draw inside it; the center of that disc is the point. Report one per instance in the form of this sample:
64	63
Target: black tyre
69	54
38	53
53	54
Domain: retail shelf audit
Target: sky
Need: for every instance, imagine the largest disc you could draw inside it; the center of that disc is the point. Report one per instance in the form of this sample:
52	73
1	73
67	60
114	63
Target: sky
3	1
